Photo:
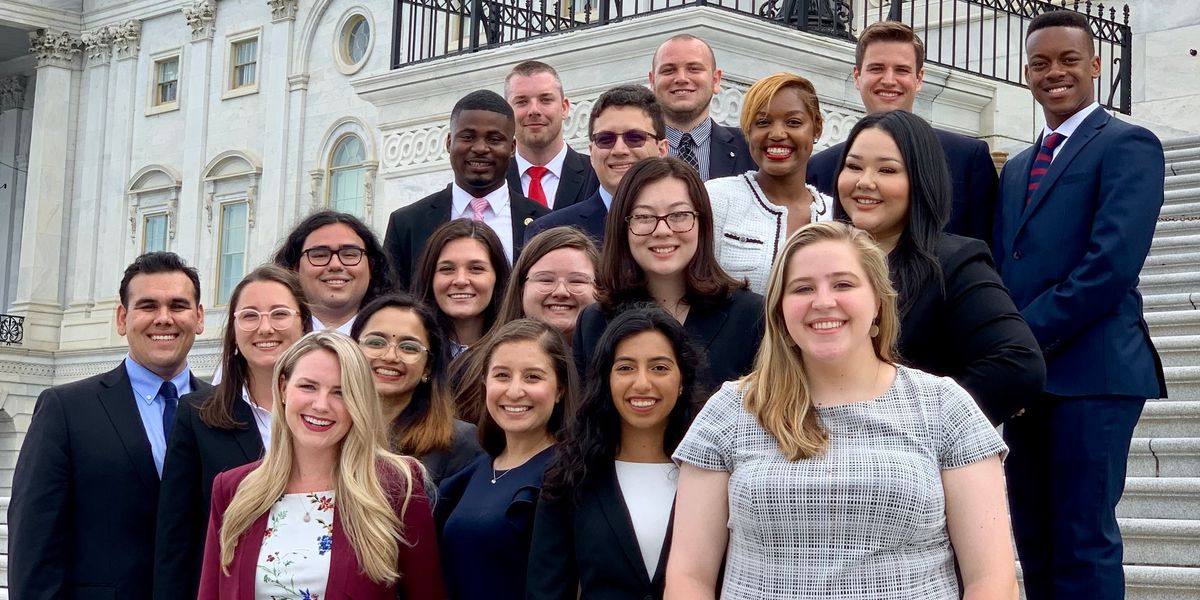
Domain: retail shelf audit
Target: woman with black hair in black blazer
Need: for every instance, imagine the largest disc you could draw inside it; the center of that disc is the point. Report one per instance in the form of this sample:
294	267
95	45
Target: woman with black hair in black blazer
956	317
602	528
660	249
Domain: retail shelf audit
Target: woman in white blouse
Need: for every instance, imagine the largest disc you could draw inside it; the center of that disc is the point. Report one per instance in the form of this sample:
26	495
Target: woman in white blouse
754	213
602	527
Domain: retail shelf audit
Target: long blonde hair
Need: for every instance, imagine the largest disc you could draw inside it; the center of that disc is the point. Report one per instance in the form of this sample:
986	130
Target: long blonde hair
363	507
776	391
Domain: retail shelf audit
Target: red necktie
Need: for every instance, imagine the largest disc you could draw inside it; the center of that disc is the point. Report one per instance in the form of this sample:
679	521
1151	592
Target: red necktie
1041	163
536	193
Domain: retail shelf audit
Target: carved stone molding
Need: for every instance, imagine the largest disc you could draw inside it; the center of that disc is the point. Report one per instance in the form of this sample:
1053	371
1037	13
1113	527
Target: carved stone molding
298	82
283	10
126	38
202	18
98	44
54	49
12	92
316	186
369	190
838	122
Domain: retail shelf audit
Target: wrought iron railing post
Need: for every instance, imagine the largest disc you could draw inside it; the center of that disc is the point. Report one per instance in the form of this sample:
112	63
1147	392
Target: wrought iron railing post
1126	65
895	11
476	23
602	11
12	329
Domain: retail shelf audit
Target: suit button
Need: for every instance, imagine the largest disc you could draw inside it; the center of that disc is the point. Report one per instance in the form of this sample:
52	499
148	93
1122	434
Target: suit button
1016	255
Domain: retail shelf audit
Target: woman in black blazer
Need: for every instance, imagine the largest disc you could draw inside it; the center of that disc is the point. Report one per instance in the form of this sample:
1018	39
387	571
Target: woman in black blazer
602	527
224	428
956	317
660	249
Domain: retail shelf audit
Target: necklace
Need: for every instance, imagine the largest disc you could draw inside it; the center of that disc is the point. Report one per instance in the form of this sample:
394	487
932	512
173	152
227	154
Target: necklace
496	477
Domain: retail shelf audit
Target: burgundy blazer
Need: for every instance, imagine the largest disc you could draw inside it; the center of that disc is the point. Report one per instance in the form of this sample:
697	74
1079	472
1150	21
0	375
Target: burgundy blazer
419	566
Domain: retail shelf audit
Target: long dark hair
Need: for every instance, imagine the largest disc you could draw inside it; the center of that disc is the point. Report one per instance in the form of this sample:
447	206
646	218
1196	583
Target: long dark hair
422	284
913	263
621	280
590	442
216	410
289	254
427	423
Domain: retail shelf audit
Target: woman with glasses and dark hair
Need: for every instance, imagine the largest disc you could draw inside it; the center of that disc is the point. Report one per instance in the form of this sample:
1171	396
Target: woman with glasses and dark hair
602	528
553	280
341	266
660	249
228	426
406	350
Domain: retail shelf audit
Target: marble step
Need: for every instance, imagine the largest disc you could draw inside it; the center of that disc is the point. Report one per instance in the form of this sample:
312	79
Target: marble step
1170	226
1173	322
1170	302
1164	457
1161	542
1169	419
1156	583
1184	166
1177	262
1180	189
1161	497
1175	282
1178	350
1175	180
1178	244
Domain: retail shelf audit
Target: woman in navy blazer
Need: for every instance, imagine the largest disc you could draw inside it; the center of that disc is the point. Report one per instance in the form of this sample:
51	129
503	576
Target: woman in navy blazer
222	428
660	248
956	317
602	528
328	512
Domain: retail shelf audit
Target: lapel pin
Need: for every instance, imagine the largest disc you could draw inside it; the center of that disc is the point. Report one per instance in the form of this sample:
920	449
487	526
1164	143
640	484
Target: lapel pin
528	220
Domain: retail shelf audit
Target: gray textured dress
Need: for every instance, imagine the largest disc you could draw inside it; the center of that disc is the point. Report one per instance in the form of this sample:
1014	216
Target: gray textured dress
864	520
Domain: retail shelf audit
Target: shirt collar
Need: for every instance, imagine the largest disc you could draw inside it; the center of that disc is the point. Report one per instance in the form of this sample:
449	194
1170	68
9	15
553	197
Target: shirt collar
699	133
606	198
462	199
146	383
555	165
1072	123
344	329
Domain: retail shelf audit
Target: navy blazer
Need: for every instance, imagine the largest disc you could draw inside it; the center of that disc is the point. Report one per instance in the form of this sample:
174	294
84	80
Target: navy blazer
589	549
1072	256
587	216
85	491
409	227
972	172
728	153
577	183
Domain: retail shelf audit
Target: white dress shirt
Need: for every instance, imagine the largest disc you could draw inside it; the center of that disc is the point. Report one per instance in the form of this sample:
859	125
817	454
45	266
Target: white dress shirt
498	215
549	180
1069	126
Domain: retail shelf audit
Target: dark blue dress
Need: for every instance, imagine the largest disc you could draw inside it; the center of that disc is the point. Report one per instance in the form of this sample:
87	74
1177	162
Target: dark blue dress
486	528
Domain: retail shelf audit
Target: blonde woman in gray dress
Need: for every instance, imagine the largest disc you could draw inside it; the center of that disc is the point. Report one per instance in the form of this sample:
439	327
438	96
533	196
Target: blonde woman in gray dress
830	471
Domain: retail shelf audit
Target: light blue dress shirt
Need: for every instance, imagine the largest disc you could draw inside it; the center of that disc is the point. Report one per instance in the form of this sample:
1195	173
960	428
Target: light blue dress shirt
606	198
150	405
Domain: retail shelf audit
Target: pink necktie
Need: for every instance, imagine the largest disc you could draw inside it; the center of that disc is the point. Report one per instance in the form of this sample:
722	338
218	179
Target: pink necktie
478	205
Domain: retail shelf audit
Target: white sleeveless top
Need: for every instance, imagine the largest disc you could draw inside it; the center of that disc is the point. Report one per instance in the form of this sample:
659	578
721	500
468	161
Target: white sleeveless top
294	560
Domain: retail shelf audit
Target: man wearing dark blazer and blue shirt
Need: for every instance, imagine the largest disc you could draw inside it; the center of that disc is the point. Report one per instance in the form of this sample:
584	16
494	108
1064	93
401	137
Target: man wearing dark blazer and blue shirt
481	144
888	71
85	488
1076	214
545	169
684	77
626	125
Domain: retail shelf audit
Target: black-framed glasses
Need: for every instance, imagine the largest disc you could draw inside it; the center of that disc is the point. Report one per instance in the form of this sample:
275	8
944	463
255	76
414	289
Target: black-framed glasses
634	138
545	283
319	256
249	319
681	221
376	346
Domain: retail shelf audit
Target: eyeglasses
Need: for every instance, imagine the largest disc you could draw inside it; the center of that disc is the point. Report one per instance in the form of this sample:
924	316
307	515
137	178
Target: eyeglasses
634	138
249	319
680	222
319	256
376	346
545	283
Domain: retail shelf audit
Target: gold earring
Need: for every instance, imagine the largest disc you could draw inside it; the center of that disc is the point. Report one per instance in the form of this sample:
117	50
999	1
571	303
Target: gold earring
874	330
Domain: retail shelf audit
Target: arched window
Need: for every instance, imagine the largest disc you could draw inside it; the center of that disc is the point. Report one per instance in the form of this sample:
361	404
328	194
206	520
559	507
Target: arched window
347	176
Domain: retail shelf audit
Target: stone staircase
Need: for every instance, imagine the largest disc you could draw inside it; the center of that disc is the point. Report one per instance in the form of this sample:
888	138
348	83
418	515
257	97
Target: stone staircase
1160	511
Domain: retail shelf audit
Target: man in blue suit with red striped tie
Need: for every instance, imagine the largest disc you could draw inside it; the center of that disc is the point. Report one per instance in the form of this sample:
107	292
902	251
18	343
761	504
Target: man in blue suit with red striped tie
1074	220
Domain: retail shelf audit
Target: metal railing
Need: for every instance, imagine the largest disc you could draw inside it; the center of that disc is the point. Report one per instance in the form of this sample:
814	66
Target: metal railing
12	329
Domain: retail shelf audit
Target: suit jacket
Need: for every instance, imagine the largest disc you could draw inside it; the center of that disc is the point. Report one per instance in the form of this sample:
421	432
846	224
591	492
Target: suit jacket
409	227
419	564
578	180
1072	256
971	331
85	490
589	549
728	334
587	216
728	153
195	455
972	171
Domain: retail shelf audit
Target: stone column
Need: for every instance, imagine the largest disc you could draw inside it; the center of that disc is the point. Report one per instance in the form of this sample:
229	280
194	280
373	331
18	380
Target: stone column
118	138
12	181
195	79
43	240
280	128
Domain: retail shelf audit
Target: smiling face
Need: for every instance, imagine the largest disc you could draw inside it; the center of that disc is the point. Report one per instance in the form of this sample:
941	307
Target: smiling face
873	187
828	303
645	381
313	406
334	288
540	109
566	267
395	378
664	253
262	347
611	164
161	321
781	137
889	78
684	79
464	279
480	144
521	388
1061	70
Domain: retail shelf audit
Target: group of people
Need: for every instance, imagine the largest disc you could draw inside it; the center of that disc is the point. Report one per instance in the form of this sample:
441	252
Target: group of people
698	361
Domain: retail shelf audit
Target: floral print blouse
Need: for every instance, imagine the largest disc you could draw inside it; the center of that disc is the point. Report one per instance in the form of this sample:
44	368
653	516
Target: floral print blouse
294	561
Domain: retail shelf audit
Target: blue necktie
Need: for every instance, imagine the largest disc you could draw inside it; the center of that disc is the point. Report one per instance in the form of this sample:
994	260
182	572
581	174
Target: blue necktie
686	153
170	397
1041	163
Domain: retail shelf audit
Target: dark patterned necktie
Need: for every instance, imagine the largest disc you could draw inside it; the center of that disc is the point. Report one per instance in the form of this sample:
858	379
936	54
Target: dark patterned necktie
686	153
170	398
1041	163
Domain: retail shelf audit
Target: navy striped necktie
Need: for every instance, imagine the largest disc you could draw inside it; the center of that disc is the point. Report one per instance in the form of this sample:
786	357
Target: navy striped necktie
1041	163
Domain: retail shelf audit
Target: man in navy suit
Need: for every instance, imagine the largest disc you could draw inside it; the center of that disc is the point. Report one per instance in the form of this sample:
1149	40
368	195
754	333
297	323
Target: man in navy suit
545	169
481	143
626	125
1075	217
888	72
684	77
85	489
